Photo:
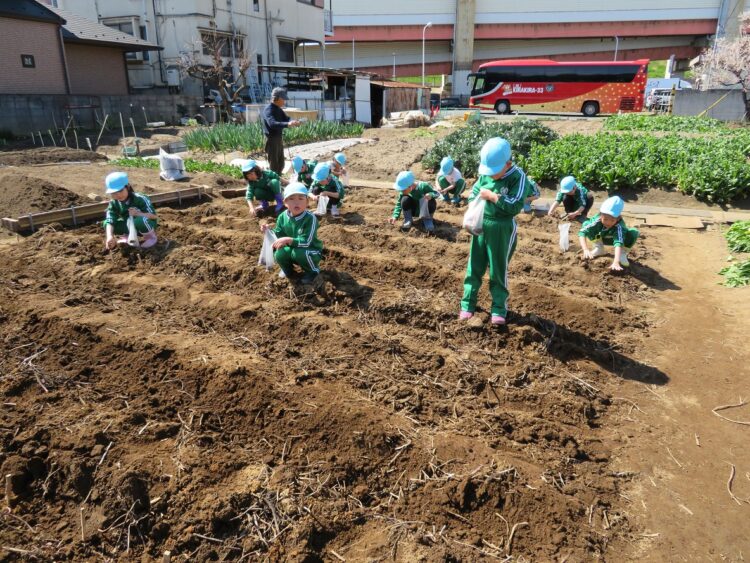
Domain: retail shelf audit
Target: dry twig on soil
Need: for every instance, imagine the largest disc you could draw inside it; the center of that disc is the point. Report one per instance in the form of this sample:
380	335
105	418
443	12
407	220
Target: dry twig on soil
742	403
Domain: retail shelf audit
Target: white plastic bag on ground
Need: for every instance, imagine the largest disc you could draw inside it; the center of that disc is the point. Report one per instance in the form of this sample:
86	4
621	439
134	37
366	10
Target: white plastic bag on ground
564	229
474	217
132	233
424	208
171	166
266	251
344	178
322	205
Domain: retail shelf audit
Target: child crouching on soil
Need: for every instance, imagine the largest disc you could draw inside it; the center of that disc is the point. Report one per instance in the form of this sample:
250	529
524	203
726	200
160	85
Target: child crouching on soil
337	167
608	227
450	182
127	203
297	232
505	188
304	168
264	186
410	198
327	184
576	200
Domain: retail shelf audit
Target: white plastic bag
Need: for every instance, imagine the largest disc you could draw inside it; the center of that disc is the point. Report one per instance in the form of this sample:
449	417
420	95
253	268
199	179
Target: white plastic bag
171	166
266	251
132	233
474	217
564	229
322	205
344	179
424	208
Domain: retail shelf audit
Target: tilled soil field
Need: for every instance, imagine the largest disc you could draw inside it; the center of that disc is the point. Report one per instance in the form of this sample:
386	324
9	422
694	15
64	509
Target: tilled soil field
185	399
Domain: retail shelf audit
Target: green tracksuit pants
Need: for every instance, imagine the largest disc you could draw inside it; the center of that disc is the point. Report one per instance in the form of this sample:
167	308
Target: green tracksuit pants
493	248
455	192
629	237
142	225
286	257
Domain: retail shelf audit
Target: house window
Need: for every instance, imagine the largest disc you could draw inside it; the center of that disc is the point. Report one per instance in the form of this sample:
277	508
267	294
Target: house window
131	28
286	51
256	5
223	41
27	61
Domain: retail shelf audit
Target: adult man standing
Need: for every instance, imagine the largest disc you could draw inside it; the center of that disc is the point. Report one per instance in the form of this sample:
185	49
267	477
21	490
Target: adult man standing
274	121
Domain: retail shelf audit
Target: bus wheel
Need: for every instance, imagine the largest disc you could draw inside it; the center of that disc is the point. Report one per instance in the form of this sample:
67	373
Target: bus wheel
502	106
590	109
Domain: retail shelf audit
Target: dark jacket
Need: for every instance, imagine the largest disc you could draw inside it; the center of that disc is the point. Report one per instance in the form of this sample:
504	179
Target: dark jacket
274	121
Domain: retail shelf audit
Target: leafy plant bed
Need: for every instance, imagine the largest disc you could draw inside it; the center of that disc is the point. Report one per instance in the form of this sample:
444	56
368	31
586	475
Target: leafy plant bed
191	165
713	169
464	145
227	137
738	236
636	122
737	275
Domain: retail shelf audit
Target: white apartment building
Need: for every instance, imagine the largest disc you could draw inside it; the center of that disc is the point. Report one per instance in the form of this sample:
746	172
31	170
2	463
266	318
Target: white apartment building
269	32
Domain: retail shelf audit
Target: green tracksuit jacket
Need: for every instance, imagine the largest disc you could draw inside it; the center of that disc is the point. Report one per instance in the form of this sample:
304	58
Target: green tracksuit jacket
306	246
619	235
334	185
422	189
581	195
306	176
117	214
265	188
495	246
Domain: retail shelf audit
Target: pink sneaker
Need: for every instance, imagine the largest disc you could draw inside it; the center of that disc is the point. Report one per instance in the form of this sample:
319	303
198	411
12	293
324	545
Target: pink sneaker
465	315
498	320
148	241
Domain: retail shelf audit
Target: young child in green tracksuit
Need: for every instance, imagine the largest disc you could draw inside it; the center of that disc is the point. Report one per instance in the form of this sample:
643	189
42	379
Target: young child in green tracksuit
297	232
608	227
263	185
450	182
337	167
504	187
304	168
576	200
535	194
409	200
325	183
127	203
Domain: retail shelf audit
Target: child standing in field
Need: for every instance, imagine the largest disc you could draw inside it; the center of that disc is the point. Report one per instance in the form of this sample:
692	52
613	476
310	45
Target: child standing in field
576	199
264	186
450	182
504	187
127	203
327	184
297	232
303	169
411	199
608	227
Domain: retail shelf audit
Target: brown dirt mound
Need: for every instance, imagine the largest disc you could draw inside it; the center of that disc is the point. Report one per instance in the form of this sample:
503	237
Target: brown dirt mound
46	155
21	194
188	400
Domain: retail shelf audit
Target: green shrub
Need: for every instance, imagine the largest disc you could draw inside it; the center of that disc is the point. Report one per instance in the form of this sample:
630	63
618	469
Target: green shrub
464	145
636	122
737	275
738	236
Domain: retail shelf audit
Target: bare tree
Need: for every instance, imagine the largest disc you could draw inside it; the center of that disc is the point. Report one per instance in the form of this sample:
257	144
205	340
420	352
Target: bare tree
220	70
727	62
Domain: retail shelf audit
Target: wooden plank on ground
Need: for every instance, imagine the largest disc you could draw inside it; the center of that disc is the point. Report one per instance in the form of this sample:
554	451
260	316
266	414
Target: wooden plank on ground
79	214
685	222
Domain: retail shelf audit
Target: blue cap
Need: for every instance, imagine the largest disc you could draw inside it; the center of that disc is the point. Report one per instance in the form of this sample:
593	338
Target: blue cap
295	188
446	166
297	163
493	157
340	157
568	184
404	180
249	165
321	172
116	181
612	206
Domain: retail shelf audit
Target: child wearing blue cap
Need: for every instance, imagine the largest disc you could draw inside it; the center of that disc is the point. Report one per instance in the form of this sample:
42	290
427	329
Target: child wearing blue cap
576	200
337	165
297	232
304	168
327	184
409	200
127	203
504	187
450	181
608	227
263	185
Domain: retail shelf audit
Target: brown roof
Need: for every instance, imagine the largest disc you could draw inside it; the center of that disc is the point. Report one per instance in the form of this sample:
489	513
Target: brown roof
394	84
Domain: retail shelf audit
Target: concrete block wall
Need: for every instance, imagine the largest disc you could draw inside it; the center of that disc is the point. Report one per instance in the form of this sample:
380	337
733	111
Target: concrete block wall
21	114
693	102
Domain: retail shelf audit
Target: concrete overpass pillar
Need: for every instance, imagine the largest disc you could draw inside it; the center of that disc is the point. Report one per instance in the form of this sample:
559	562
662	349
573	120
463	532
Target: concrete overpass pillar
463	45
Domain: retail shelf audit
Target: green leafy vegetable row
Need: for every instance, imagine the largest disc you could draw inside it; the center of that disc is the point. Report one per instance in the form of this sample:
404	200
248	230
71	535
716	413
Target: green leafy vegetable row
191	165
637	122
738	236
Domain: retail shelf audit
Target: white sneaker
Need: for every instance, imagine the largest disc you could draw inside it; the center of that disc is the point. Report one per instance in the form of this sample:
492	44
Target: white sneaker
624	258
335	211
598	249
282	275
